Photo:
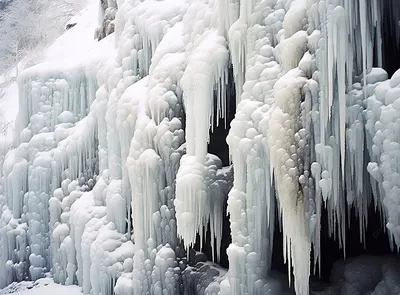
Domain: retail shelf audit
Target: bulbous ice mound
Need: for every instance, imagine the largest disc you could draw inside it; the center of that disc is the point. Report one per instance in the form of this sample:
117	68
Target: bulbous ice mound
66	117
111	180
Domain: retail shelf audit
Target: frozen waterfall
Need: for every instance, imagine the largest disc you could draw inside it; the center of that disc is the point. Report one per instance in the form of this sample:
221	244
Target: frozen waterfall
112	183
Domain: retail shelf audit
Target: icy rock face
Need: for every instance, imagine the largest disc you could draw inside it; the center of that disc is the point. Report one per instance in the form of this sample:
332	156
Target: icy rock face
112	174
107	11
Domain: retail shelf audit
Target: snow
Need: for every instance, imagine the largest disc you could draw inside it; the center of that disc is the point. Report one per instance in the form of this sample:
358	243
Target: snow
81	35
45	286
111	179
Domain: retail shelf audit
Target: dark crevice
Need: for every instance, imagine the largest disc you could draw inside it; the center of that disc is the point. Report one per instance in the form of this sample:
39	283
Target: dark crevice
277	263
390	45
217	144
377	244
226	238
376	241
205	246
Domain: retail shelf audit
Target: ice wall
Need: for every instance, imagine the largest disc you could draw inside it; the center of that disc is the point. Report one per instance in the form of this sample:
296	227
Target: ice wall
302	99
112	179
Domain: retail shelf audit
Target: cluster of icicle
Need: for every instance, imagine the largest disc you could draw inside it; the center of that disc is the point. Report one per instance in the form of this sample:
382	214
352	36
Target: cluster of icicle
299	128
112	168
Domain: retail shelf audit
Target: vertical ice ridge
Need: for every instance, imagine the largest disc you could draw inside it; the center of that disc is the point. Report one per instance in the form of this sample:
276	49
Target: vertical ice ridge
206	73
252	192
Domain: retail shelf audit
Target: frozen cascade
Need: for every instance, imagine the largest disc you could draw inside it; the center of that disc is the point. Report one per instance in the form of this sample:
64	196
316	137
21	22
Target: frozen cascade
309	163
59	96
111	177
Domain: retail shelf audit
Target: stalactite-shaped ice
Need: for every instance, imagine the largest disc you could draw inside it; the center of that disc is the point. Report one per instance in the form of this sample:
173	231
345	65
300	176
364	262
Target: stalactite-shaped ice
205	74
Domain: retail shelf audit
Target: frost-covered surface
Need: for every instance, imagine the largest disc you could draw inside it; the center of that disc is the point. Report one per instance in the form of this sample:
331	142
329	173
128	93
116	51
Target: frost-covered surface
45	286
112	177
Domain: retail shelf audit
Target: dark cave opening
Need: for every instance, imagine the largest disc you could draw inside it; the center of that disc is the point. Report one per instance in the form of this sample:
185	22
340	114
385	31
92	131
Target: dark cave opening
390	45
376	241
376	244
217	144
225	241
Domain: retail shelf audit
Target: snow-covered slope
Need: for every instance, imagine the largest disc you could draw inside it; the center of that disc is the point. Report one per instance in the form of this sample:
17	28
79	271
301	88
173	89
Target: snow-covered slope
44	286
112	178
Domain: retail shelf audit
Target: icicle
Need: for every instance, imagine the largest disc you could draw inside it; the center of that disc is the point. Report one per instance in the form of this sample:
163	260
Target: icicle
207	69
340	55
364	41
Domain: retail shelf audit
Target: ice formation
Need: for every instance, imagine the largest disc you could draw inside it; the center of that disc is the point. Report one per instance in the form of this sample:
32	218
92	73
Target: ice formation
111	175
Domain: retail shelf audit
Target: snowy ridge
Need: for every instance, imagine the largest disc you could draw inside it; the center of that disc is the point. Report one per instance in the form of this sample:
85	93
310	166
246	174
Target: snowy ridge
112	175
